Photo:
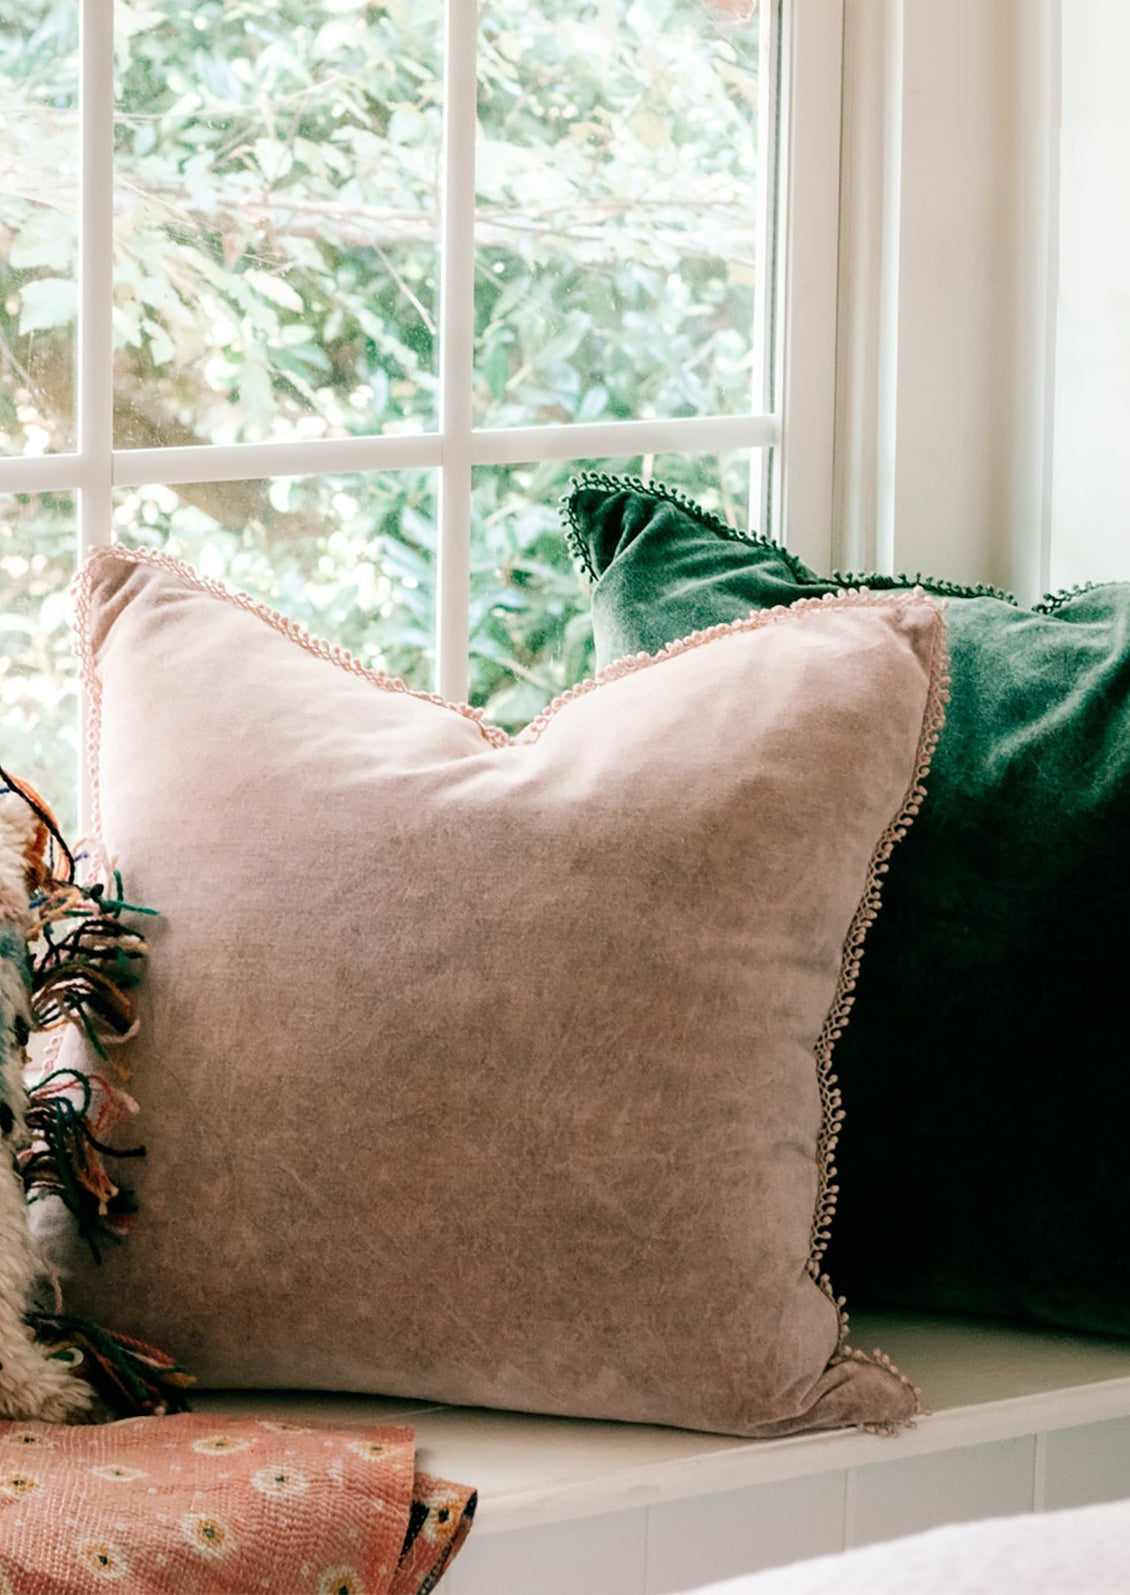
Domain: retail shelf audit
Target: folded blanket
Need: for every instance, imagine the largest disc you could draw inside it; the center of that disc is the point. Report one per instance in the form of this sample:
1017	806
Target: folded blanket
163	1506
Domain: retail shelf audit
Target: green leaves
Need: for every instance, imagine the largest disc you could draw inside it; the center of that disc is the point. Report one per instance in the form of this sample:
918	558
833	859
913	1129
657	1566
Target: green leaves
275	289
47	303
48	238
277	277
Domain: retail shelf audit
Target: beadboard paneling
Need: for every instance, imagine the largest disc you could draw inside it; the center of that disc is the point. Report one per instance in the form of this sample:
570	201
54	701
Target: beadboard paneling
977	1481
712	1537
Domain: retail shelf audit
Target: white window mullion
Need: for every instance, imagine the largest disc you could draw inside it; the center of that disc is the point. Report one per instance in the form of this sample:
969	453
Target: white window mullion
40	473
763	396
244	462
456	350
580	441
95	386
94	422
809	82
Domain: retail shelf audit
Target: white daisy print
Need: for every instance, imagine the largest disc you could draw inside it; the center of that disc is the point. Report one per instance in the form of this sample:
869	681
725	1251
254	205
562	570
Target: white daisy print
439	1525
219	1445
118	1472
103	1558
207	1533
15	1485
341	1581
28	1438
279	1426
369	1449
280	1480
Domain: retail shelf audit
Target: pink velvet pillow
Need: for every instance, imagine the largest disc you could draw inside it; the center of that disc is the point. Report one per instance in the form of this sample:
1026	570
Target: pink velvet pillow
491	1071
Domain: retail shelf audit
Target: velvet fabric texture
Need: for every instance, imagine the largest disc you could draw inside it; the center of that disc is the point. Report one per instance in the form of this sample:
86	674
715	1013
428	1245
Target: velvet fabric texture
489	1071
983	1164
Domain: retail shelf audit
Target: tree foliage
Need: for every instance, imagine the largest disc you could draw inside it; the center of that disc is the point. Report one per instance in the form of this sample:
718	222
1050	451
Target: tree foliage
277	277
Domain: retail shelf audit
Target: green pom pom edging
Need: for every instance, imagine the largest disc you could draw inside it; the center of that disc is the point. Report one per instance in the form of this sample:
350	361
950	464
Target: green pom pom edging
578	547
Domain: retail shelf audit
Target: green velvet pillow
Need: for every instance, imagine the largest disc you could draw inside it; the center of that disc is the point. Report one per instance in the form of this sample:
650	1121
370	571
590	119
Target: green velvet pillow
986	1072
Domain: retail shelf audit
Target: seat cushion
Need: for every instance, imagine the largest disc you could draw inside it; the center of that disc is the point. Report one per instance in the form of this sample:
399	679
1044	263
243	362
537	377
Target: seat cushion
497	1071
983	1165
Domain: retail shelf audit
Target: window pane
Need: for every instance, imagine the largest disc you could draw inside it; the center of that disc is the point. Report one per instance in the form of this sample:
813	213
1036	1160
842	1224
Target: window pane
276	268
352	557
531	636
719	482
38	223
617	201
38	700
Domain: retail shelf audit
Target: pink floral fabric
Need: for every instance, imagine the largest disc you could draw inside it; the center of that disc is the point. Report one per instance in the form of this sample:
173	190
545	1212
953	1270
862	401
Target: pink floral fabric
192	1505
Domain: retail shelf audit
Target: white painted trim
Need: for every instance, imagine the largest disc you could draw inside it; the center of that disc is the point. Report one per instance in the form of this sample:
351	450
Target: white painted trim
1030	550
94	422
1040	1472
94	385
946	337
851	1490
491	446
1049	215
237	462
763	510
533	1469
623	439
867	330
811	83
724	1465
41	473
456	344
890	249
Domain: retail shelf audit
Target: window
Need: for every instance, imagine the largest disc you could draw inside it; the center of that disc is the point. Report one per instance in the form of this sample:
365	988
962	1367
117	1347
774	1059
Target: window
332	297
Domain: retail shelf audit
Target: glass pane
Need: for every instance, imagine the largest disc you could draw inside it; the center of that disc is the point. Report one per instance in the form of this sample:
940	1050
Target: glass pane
617	193
275	261
719	482
38	698
352	557
531	635
38	224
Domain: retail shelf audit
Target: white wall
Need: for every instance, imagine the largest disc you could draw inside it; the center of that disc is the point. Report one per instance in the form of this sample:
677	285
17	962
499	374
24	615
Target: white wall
1091	456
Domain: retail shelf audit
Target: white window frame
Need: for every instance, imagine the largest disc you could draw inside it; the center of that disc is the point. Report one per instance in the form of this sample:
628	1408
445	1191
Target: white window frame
946	353
798	508
793	429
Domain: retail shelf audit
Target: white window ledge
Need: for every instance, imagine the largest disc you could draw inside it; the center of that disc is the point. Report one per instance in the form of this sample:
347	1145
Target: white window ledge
1020	1420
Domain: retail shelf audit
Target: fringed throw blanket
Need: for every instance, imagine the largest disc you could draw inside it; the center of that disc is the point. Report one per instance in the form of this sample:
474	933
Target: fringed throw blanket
70	953
160	1506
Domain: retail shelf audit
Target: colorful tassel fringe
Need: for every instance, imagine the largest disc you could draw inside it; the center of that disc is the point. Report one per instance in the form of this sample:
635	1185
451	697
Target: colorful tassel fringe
132	1379
84	964
88	963
65	1155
